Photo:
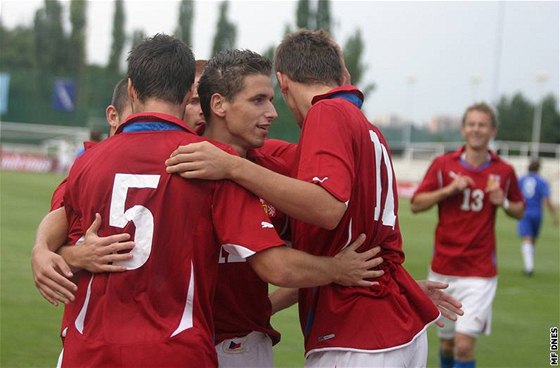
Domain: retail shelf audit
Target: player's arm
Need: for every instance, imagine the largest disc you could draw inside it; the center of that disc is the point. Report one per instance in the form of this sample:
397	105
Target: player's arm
283	298
302	200
50	272
97	254
513	209
552	209
423	201
497	197
287	267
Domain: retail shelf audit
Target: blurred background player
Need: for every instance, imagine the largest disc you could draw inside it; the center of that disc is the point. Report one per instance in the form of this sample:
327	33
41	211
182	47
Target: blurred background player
536	193
95	136
468	185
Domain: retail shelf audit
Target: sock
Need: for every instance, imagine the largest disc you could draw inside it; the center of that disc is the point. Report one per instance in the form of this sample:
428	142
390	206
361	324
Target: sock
528	251
446	361
465	364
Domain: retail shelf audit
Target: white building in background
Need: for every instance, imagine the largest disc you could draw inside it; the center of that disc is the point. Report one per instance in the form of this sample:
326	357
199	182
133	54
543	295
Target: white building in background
390	120
444	123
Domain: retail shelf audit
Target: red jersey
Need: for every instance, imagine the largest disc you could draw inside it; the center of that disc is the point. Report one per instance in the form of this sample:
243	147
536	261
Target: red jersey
276	149
465	241
74	234
242	304
57	199
159	311
341	151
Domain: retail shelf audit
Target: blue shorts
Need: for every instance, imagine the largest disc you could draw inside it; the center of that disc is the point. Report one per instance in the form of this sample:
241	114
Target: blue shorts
529	226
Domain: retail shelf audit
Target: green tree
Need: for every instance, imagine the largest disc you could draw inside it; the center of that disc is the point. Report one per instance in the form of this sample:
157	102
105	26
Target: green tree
515	118
18	48
137	37
184	27
323	16
353	53
119	38
77	53
77	41
226	31
50	38
303	14
550	127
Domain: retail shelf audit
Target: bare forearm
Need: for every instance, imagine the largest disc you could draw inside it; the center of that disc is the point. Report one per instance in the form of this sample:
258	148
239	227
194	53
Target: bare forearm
283	298
290	268
52	231
552	210
514	209
70	254
426	200
301	200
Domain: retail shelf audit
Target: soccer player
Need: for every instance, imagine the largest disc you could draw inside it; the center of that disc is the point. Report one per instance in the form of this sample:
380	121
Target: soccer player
193	112
342	185
50	271
158	311
536	193
468	186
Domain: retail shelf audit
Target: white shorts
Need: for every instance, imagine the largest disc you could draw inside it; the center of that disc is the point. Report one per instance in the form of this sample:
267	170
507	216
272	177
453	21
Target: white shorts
253	350
413	355
477	295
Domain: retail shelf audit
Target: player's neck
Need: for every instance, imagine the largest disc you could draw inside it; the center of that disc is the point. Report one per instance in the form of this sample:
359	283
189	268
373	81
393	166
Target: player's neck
304	93
222	135
160	107
475	157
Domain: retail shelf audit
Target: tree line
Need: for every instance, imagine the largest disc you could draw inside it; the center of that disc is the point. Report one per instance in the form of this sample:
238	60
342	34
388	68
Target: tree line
35	56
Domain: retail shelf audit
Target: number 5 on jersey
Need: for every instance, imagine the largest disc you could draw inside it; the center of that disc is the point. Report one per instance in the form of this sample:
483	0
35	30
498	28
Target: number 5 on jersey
139	215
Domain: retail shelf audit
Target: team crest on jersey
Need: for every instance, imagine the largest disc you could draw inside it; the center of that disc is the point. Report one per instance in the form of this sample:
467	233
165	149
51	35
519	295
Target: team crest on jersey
493	179
268	209
234	346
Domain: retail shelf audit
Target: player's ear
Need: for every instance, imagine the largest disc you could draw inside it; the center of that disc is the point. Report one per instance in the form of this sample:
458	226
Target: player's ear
132	96
112	116
217	105
282	81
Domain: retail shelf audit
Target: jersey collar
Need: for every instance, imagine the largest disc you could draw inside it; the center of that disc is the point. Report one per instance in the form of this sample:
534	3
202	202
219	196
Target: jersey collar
349	92
169	121
460	155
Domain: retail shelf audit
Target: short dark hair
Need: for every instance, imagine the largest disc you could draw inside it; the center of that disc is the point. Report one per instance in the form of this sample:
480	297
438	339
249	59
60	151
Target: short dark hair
534	165
310	57
161	67
482	107
120	96
225	73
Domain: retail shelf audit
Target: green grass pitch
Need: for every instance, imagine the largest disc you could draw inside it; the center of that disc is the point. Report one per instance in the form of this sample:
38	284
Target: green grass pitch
524	310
